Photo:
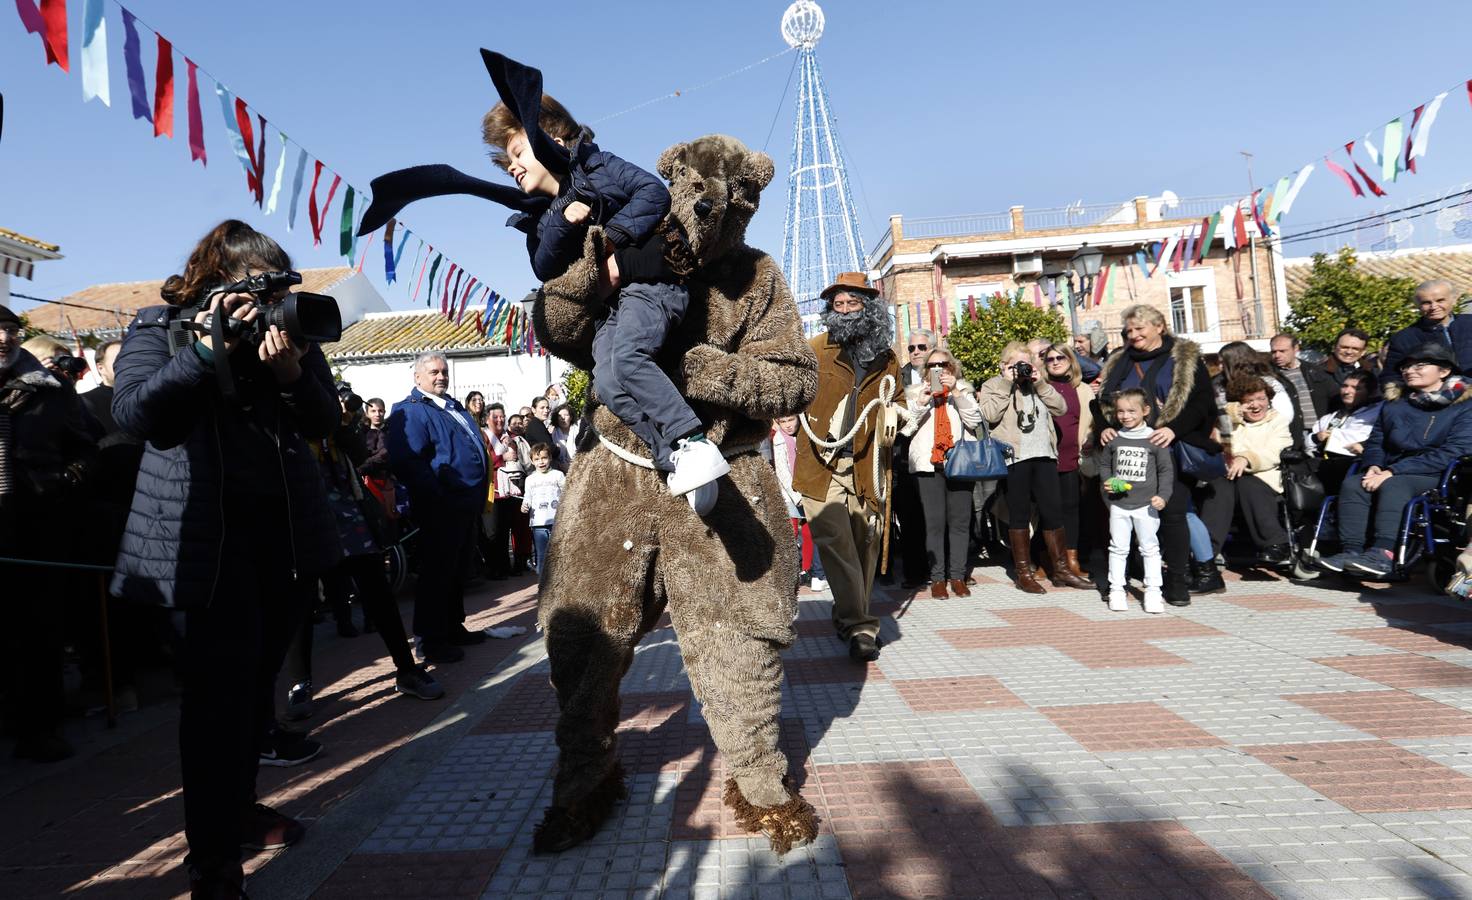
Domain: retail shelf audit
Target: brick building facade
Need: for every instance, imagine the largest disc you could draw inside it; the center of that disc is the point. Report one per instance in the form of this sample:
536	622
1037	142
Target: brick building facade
1229	295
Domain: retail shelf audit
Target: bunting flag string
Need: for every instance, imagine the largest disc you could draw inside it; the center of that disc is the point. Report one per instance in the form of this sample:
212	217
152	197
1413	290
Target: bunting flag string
445	288
255	154
464	299
196	116
296	185
133	66
366	245
345	228
1423	136
94	54
1143	263
1369	182
434	267
278	177
163	89
1343	174
1281	209
388	250
1390	156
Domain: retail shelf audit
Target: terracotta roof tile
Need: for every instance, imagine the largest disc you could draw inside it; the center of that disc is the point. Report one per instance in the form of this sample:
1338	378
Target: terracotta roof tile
408	333
28	241
1452	263
115	304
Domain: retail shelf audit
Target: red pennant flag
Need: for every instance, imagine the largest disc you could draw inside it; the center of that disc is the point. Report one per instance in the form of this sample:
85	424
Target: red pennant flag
1239	227
464	299
163	90
1175	260
1410	138
318	217
971	304
1348	178
257	155
196	119
934	325
1369	182
445	292
49	21
1469	90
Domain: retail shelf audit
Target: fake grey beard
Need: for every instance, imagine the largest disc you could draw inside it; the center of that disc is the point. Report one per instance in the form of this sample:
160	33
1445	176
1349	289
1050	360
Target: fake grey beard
864	333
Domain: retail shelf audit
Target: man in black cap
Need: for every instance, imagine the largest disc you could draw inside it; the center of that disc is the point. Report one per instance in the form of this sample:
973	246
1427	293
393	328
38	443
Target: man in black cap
44	448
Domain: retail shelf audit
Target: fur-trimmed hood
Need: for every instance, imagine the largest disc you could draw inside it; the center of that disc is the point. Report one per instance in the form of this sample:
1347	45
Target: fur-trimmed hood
1186	355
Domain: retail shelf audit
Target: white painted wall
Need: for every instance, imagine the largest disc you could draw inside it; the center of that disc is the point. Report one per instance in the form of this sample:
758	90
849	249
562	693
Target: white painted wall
512	380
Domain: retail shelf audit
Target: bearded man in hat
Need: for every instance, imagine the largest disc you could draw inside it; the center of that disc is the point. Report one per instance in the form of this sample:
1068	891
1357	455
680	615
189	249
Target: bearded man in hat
844	510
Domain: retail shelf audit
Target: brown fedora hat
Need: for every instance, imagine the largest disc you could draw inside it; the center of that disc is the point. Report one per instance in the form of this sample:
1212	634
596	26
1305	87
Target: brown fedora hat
853	282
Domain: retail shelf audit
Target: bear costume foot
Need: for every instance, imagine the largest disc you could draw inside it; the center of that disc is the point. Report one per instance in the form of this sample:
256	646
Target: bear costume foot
564	827
793	824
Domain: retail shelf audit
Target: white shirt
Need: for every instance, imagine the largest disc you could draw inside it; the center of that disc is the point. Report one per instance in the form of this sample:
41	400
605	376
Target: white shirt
1354	429
543	493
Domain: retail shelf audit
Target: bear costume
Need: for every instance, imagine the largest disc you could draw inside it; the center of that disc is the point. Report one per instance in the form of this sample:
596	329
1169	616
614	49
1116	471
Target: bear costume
624	550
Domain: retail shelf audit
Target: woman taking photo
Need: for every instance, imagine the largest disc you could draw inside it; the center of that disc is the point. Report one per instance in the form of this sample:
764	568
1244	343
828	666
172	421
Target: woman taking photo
229	523
940	420
1020	406
1424	427
1170	372
1075	431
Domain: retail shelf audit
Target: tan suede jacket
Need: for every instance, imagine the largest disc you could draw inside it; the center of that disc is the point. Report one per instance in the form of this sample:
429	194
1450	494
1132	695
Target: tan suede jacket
813	472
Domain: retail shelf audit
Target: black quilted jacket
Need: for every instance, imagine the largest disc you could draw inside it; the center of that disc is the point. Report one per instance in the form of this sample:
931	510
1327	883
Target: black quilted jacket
204	455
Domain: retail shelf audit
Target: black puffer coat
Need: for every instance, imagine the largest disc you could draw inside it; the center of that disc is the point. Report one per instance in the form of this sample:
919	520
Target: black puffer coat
205	455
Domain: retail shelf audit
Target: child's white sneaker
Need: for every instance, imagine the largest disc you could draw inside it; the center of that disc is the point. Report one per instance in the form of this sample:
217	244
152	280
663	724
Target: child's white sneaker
703	498
696	463
1154	602
1118	602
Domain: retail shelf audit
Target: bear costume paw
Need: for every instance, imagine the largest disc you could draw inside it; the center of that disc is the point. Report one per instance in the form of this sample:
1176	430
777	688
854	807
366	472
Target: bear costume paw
793	824
564	827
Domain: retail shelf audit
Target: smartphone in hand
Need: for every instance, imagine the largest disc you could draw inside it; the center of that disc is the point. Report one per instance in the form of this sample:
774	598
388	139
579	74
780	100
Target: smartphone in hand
935	385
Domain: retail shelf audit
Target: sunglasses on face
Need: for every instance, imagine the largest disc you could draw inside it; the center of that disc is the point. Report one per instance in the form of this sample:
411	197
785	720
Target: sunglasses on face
1055	358
938	365
914	347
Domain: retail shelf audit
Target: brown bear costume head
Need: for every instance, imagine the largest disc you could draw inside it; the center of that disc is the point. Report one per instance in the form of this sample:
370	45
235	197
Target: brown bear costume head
715	187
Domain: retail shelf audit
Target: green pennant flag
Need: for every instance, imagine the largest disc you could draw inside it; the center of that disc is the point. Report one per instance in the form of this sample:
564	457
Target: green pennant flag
432	267
345	233
1390	156
1216	219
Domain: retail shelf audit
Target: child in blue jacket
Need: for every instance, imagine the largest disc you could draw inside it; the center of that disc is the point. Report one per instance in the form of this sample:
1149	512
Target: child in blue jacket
554	157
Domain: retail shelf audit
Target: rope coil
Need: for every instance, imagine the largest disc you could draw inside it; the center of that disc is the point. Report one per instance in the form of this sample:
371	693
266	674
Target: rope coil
884	400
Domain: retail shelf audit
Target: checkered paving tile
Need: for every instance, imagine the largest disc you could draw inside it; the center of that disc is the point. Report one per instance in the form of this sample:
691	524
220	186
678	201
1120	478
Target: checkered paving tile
1276	602
530	705
1370	776
831	670
1097	645
1413	638
1389	714
926	695
459	874
1113	727
1403	670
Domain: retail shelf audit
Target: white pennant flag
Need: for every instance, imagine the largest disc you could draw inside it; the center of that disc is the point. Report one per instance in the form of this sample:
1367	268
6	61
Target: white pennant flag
1371	149
1228	233
280	173
94	54
1423	134
1280	209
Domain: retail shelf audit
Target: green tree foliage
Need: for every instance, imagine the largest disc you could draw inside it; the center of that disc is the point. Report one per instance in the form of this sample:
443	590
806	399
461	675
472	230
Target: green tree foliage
1339	295
575	385
977	344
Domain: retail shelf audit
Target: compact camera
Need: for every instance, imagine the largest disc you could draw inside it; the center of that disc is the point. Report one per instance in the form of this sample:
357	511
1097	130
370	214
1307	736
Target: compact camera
1023	371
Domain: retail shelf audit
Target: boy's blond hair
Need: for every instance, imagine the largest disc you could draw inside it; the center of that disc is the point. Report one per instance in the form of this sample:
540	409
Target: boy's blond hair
500	124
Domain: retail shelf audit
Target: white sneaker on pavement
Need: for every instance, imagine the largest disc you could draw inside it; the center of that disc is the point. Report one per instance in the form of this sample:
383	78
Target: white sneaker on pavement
818	585
505	631
1118	602
1154	602
696	463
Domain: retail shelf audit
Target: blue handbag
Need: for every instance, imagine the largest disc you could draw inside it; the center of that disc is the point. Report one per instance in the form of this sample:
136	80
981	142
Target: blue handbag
980	460
1202	465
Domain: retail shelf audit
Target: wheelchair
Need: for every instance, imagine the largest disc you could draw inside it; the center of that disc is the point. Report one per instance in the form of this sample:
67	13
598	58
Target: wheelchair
1433	529
1298	509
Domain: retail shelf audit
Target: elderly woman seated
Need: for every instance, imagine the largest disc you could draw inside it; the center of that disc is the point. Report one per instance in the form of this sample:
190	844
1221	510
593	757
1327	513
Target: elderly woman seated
1253	482
1424	427
1339	437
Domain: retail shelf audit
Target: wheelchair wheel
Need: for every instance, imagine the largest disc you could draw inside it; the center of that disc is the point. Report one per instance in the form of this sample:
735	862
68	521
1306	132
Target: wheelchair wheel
1301	571
1438	572
396	567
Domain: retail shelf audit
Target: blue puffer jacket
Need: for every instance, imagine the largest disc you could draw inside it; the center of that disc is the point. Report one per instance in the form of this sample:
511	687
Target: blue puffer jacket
201	448
434	455
627	201
1410	339
1414	440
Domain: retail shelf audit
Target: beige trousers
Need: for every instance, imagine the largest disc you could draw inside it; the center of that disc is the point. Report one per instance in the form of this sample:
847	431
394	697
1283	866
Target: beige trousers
847	538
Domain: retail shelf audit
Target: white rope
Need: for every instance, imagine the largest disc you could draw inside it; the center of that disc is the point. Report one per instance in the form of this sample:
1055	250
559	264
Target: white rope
885	399
645	462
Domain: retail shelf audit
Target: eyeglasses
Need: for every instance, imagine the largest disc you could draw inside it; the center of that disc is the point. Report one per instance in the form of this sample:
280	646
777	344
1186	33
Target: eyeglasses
938	365
914	347
1419	365
1055	358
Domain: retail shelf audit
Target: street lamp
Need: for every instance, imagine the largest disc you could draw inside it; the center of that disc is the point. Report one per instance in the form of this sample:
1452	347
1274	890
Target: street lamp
1085	263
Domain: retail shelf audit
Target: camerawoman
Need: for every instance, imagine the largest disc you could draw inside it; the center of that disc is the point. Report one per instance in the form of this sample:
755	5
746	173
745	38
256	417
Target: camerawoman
230	523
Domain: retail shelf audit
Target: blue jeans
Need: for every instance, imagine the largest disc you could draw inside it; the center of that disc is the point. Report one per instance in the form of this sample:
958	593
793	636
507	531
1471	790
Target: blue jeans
1200	538
541	536
1389	502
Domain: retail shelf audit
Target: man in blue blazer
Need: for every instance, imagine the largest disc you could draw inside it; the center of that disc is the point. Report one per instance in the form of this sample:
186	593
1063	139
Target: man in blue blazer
436	450
1439	324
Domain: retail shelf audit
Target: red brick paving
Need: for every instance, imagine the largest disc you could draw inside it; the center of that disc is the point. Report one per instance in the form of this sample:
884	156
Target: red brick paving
463	873
1402	670
1114	727
699	814
1370	776
917	829
1388	714
956	694
530	705
1275	602
1097	645
1416	639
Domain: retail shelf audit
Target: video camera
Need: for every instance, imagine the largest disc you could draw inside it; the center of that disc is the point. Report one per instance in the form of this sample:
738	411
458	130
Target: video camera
74	367
350	401
303	316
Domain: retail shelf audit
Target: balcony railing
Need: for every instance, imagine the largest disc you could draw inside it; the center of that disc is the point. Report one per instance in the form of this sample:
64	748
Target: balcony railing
948	226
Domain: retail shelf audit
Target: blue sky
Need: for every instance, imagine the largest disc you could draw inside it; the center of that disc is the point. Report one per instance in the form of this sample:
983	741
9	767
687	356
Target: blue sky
944	108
